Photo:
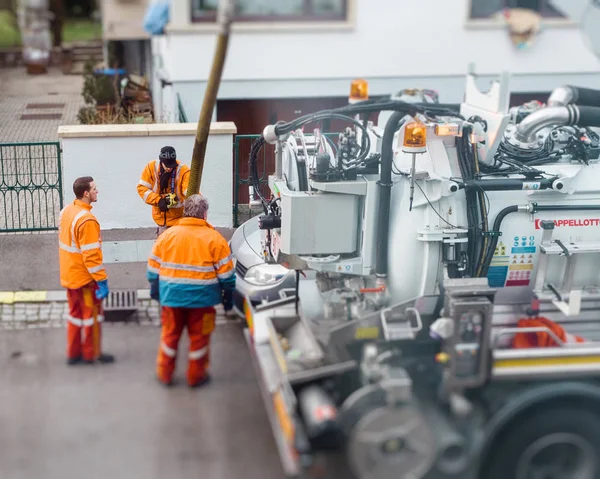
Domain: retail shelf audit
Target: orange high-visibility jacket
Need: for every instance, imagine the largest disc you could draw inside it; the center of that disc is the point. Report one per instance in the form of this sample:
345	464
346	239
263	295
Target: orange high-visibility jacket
149	190
193	265
79	246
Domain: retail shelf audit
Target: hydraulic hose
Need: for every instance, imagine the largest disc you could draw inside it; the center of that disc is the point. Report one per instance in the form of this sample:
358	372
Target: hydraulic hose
534	209
567	94
385	193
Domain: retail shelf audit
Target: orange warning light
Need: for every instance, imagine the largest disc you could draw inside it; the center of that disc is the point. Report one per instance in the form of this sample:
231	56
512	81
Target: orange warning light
415	137
359	90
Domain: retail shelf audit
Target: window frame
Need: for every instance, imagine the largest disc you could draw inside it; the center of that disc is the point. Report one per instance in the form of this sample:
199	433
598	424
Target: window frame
486	22
305	18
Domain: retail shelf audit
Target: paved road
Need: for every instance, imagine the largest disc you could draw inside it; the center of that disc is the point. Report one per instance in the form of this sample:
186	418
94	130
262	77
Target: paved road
53	93
99	422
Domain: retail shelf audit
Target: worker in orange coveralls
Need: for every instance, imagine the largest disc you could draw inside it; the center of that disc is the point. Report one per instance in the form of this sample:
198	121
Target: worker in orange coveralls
83	275
190	270
163	185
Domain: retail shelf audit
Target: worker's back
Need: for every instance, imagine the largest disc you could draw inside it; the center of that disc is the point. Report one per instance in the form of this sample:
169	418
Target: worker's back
193	260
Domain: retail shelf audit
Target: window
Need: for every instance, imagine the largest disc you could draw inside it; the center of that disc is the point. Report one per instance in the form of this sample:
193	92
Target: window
482	9
270	10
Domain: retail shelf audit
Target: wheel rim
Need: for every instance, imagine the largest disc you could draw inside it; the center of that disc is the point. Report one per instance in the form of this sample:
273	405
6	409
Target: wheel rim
558	456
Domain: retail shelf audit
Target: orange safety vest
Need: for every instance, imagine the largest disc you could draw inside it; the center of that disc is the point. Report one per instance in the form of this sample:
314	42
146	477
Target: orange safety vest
79	246
149	190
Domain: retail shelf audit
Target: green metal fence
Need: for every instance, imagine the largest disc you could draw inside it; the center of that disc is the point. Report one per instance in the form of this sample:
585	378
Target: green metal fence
30	186
181	110
265	166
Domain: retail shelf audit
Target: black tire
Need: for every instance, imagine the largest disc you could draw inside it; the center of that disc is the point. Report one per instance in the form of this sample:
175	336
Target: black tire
511	446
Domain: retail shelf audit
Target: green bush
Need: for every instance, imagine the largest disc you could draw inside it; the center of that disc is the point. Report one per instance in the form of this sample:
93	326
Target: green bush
97	89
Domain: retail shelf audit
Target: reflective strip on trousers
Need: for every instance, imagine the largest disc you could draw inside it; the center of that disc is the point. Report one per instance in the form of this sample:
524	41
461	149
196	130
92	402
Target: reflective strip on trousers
198	354
84	322
168	351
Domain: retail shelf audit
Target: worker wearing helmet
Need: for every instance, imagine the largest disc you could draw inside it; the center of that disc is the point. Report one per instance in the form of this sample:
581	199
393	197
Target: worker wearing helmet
163	185
190	270
82	274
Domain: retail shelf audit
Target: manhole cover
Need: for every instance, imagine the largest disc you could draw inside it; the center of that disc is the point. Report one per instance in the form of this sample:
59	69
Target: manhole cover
41	116
44	105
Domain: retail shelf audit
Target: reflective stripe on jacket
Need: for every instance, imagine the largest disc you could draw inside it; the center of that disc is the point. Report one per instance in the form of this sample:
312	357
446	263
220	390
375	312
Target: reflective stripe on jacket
149	190
193	265
79	246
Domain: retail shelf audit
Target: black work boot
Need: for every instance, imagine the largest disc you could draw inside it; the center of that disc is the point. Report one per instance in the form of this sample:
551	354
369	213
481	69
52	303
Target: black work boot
73	361
205	380
103	359
106	358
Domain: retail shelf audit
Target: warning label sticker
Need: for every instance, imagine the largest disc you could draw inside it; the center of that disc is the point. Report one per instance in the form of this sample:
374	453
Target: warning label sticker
520	268
571	222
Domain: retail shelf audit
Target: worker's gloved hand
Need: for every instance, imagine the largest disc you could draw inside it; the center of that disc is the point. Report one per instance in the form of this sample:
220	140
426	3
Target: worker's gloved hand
154	293
162	205
102	291
227	300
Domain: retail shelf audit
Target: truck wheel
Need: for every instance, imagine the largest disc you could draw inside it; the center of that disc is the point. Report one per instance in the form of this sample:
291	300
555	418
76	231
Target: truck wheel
558	443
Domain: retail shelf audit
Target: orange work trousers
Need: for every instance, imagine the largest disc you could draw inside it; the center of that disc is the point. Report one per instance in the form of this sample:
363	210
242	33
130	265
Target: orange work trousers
85	316
200	323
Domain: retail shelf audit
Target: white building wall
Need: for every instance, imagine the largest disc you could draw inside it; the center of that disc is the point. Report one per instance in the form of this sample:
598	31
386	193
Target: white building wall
115	155
393	44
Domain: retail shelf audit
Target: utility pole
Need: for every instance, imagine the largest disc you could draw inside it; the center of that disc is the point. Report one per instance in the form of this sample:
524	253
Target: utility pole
210	96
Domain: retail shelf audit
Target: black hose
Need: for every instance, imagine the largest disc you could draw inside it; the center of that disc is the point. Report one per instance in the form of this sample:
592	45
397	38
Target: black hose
496	234
385	193
566	207
588	116
585	96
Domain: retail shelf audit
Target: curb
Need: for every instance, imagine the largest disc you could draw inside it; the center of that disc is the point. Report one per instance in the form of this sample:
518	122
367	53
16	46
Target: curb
12	297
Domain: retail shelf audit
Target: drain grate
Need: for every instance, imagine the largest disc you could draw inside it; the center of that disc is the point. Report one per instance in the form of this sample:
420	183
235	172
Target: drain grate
41	116
44	105
121	301
120	305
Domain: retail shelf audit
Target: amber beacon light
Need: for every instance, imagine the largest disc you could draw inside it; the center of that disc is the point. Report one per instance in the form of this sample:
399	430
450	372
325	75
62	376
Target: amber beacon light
415	138
359	90
415	141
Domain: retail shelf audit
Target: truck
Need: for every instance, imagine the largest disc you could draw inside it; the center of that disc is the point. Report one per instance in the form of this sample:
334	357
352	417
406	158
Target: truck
455	301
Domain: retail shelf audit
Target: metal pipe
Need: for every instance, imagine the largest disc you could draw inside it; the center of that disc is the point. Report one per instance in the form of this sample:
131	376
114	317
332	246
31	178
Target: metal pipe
554	115
210	98
279	160
507	184
561	96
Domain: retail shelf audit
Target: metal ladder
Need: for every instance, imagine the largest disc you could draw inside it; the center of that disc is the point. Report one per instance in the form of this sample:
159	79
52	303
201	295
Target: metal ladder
572	252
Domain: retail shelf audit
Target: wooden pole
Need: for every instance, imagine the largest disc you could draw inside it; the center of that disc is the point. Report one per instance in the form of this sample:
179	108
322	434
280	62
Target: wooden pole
210	97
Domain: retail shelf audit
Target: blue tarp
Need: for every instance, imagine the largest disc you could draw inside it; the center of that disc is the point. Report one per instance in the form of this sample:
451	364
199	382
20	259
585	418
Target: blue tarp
157	17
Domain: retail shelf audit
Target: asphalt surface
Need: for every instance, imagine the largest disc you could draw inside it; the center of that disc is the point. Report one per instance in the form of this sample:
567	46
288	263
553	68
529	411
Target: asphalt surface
116	421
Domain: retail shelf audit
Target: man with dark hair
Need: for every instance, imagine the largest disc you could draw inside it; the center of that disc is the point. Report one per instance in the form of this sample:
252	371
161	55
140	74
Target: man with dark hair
190	271
82	274
163	185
